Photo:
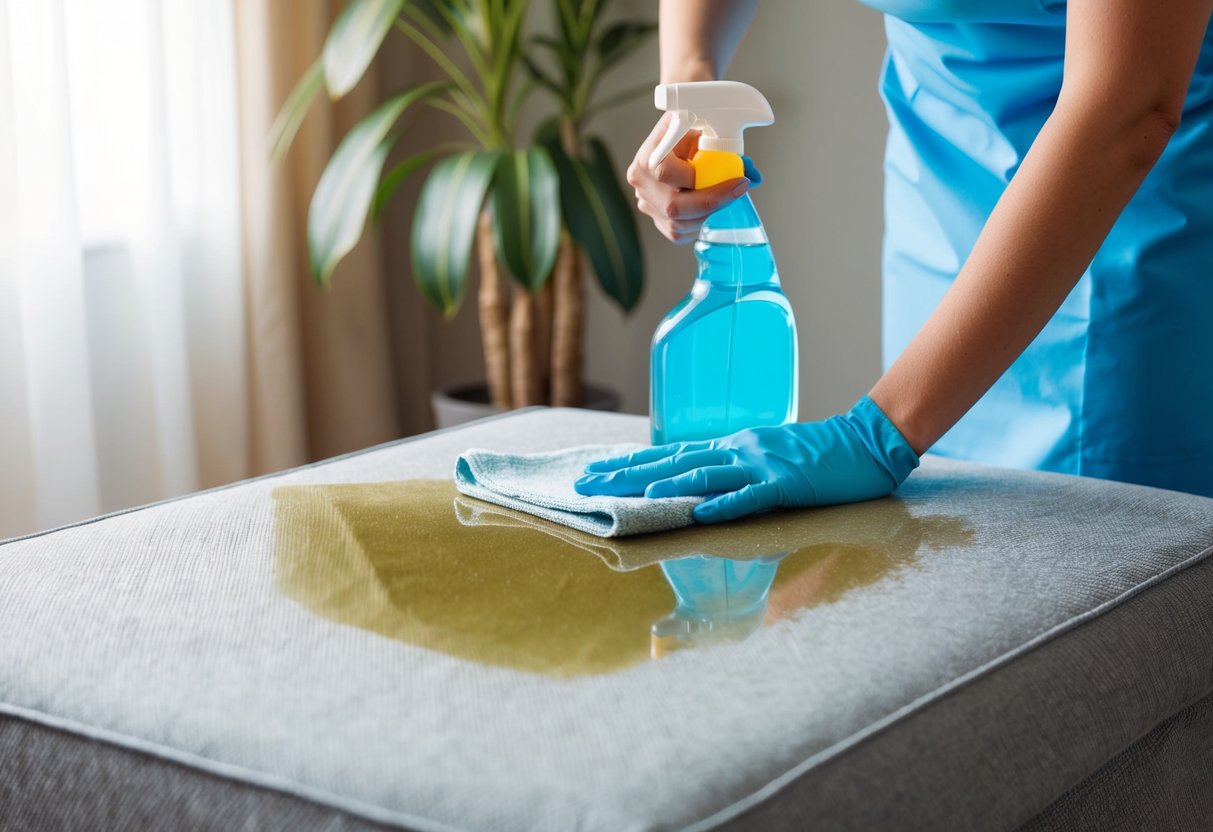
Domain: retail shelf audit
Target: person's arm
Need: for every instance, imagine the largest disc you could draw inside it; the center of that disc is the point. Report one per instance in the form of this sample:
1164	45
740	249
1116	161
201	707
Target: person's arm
697	41
698	38
1128	64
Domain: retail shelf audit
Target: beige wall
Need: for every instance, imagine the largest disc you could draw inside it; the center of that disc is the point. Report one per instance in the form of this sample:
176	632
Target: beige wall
817	62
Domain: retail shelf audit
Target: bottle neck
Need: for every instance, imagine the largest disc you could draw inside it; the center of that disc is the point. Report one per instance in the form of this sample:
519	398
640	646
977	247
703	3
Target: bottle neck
732	247
735	224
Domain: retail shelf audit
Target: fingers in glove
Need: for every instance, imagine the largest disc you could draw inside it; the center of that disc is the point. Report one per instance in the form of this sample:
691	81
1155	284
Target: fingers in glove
709	480
632	481
653	454
752	498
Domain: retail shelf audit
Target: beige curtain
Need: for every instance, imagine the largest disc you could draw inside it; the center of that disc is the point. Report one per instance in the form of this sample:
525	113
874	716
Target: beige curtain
122	340
321	370
159	332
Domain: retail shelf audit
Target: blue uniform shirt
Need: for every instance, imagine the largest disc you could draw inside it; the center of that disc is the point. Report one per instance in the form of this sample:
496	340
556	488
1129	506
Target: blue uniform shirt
1119	384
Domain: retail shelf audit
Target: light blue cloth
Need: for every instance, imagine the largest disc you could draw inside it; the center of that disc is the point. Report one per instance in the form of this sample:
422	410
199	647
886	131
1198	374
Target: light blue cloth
1117	384
542	484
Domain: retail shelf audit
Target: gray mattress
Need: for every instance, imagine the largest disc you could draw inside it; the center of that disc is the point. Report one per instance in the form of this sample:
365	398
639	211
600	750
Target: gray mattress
987	649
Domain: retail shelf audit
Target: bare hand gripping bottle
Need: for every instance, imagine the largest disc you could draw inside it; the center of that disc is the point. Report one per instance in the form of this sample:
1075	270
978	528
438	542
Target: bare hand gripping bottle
725	357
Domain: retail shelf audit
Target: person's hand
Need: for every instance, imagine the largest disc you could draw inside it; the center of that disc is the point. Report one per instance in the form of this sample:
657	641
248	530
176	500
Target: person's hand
845	459
666	193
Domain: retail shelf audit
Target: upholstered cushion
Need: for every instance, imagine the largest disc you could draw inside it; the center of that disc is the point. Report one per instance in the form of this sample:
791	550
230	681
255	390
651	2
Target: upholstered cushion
961	654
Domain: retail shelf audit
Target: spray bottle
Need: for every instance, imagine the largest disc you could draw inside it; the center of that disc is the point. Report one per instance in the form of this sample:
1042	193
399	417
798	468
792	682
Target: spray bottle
725	357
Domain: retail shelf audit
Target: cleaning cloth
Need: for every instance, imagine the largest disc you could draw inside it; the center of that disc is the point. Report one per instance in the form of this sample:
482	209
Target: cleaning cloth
884	528
542	484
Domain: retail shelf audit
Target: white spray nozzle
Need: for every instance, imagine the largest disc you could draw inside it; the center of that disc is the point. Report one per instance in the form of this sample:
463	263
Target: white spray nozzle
720	110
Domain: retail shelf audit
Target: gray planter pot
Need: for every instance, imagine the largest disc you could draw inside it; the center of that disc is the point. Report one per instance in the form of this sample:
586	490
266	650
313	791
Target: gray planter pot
459	403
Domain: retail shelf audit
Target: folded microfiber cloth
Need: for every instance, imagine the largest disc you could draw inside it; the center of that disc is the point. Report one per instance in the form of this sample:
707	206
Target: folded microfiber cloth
542	484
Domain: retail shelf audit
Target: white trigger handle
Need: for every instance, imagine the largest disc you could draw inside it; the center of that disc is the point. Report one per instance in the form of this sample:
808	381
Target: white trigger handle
680	125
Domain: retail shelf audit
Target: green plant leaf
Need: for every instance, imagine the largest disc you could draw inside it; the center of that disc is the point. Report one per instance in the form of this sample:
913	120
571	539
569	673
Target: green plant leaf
599	216
570	60
286	125
452	24
568	18
444	13
526	212
537	72
393	179
507	40
354	39
621	39
444	225
510	121
556	45
397	175
438	55
343	196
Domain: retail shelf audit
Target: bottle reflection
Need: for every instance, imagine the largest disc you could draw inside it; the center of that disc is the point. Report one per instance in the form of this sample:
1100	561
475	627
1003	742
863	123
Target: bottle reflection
717	600
728	581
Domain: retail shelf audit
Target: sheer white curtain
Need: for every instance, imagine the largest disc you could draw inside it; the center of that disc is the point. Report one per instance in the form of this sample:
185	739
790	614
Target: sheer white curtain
122	345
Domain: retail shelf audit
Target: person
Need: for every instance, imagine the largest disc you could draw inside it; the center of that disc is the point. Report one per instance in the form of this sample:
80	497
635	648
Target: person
1048	254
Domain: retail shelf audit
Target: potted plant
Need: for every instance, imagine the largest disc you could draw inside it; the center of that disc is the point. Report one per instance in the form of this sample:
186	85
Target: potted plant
535	211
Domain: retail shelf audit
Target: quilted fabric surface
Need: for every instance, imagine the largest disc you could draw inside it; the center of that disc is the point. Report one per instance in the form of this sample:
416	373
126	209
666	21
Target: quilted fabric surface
275	633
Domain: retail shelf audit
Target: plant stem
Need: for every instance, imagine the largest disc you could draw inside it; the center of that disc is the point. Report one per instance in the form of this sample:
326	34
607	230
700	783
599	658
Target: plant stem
543	335
566	325
568	302
570	142
494	311
524	369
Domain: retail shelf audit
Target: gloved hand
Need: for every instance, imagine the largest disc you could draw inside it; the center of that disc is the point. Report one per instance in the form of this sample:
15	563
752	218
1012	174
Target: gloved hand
845	459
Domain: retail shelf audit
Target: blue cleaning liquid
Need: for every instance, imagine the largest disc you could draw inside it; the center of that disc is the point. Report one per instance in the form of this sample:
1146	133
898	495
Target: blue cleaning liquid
725	356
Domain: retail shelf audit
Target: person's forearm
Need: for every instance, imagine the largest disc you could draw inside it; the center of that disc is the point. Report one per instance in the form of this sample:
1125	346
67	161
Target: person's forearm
1081	171
698	37
1127	69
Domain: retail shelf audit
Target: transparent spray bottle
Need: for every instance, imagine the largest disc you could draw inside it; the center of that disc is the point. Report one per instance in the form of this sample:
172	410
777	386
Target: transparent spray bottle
725	357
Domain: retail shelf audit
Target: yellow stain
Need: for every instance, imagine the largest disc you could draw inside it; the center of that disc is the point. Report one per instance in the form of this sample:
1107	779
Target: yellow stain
415	562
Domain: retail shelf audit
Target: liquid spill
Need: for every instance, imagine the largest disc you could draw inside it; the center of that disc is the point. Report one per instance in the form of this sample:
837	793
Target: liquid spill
415	562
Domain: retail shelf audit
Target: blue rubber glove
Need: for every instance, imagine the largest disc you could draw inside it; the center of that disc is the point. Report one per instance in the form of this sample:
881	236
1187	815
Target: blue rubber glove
845	459
752	172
